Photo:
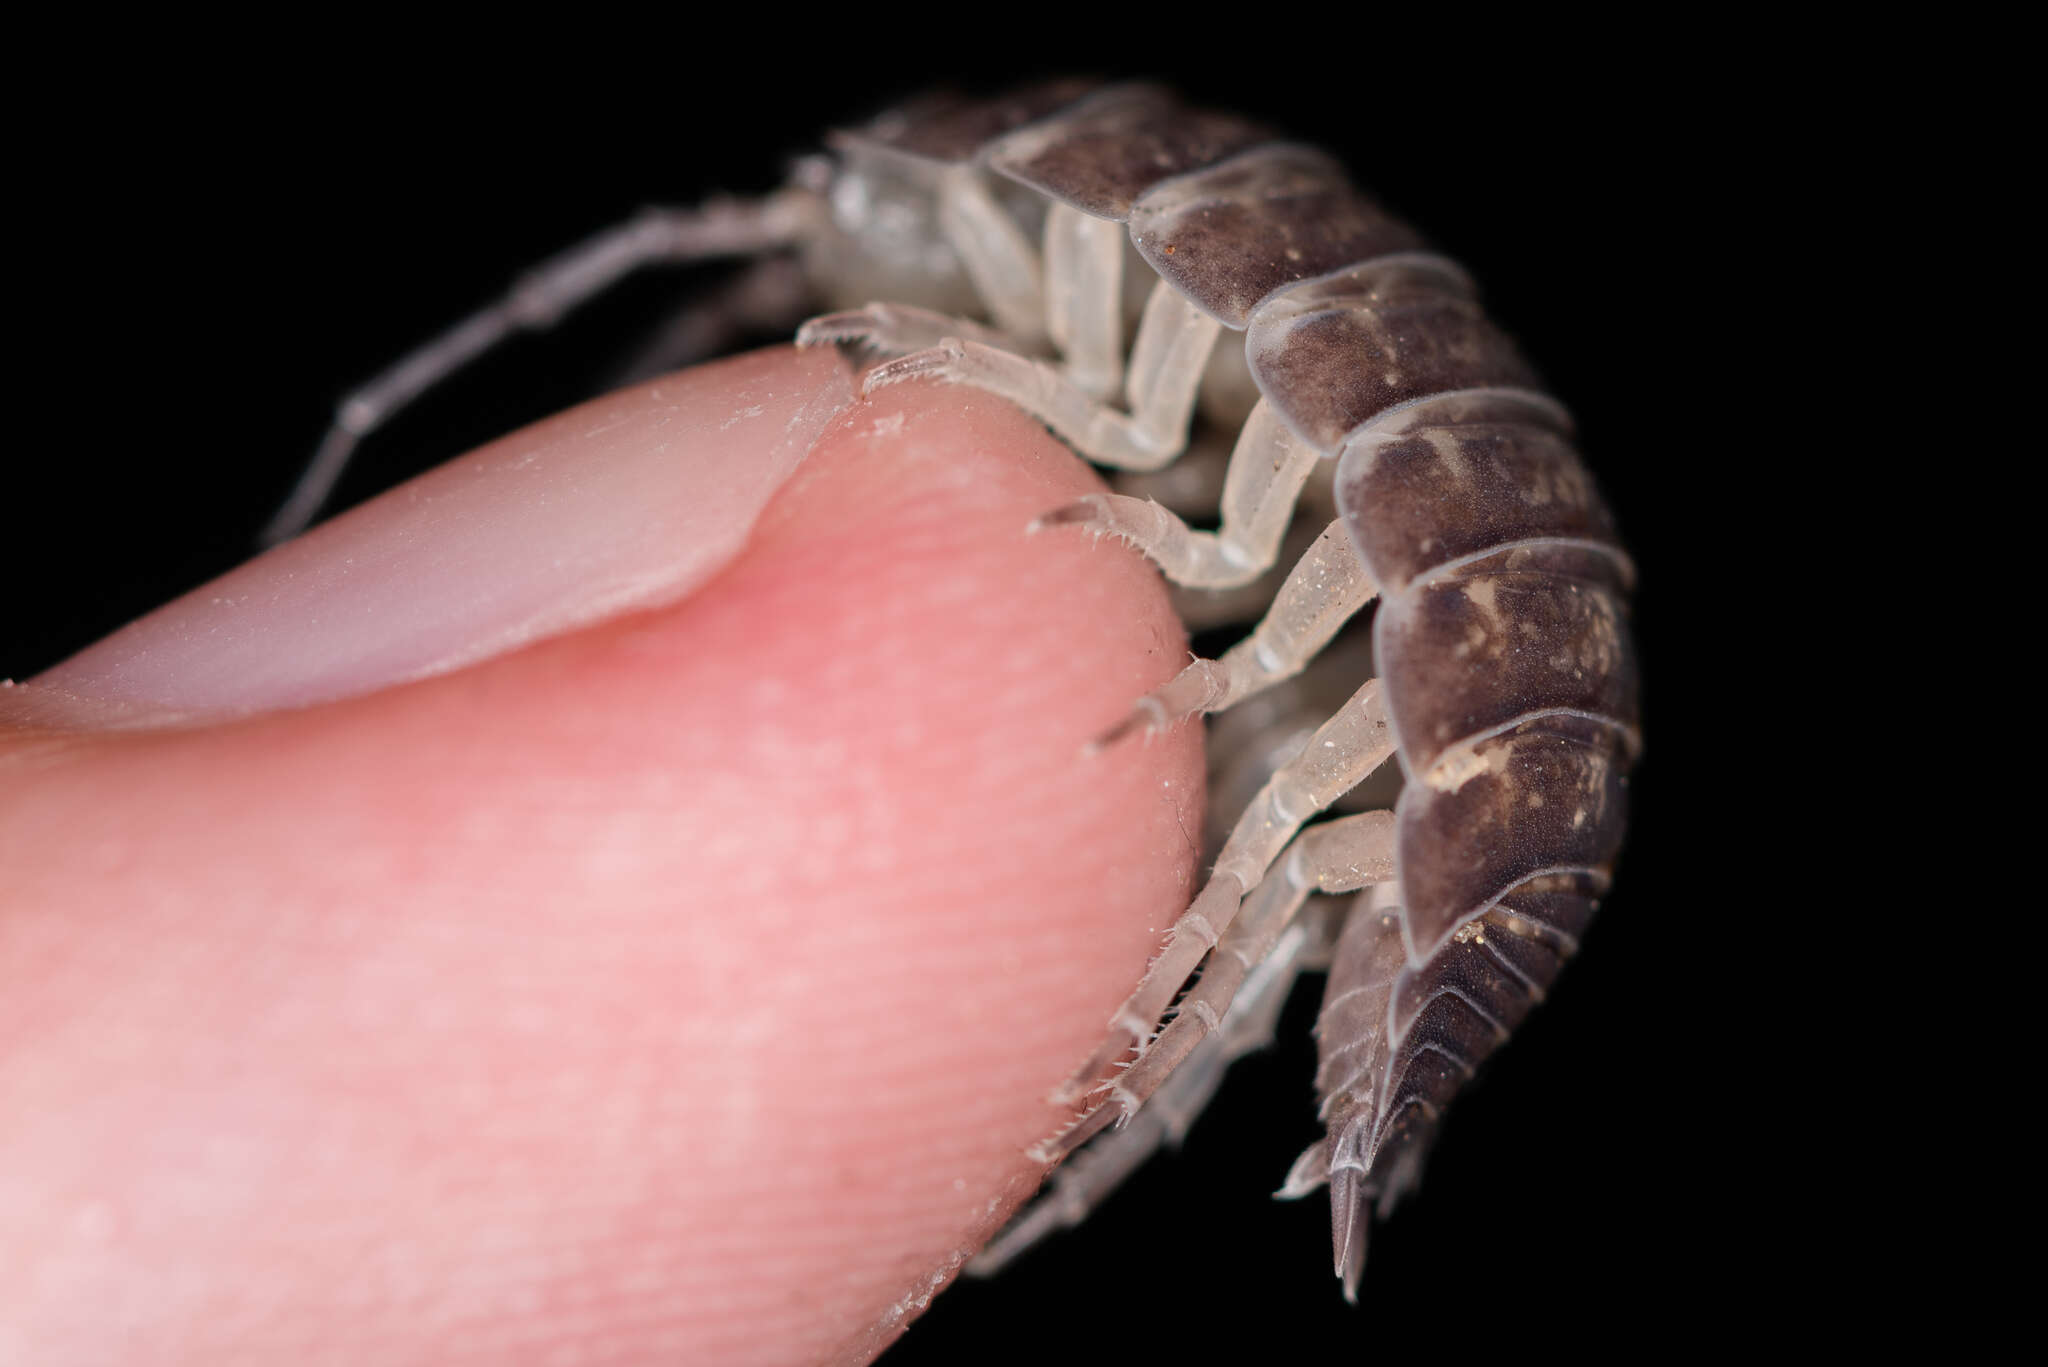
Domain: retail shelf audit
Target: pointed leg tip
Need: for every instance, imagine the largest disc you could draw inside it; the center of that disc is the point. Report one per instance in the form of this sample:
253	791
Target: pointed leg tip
1146	717
1066	515
1116	734
831	329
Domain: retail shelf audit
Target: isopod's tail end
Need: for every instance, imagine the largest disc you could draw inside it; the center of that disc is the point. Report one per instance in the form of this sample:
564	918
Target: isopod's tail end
1309	1174
1351	1203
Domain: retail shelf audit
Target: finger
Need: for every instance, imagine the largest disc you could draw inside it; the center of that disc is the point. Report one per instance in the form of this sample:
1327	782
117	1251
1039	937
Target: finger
683	987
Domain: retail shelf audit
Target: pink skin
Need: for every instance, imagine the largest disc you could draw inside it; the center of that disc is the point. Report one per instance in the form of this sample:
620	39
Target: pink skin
682	987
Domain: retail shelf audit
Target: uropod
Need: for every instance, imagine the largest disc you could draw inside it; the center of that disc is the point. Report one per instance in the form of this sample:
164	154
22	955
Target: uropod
1116	263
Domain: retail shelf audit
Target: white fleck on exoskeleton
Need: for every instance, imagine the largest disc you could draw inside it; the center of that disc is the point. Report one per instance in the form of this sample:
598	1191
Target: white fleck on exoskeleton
1013	244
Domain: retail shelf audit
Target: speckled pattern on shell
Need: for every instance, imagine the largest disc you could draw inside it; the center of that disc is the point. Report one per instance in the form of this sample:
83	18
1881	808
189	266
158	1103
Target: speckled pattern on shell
1229	235
1103	154
1336	352
1549	797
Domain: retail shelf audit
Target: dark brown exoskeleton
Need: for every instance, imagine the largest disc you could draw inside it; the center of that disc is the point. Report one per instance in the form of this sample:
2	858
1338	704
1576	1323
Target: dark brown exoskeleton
1294	311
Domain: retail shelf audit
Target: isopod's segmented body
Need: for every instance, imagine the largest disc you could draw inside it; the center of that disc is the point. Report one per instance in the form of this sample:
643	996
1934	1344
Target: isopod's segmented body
1507	688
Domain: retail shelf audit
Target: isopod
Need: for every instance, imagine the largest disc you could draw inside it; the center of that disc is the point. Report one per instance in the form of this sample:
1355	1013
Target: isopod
1006	244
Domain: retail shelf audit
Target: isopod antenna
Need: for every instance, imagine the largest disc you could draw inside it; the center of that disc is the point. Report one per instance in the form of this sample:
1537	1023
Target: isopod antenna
534	303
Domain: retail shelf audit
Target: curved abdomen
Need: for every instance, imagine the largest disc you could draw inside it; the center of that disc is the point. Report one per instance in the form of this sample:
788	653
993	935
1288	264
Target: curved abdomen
1502	639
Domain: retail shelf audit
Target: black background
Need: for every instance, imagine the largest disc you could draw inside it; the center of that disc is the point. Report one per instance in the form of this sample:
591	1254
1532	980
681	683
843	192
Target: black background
214	250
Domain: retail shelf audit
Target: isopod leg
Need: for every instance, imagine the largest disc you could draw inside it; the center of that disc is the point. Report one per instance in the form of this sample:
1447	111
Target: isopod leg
536	301
1267	470
1321	593
1081	301
997	256
1084	268
1338	856
894	329
1173	345
1347	747
1191	487
1091	1175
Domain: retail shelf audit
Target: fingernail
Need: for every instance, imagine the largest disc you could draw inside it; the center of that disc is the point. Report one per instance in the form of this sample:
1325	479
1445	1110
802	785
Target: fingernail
627	502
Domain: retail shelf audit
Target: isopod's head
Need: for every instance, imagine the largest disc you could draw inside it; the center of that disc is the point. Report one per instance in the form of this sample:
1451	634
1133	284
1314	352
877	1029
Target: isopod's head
880	238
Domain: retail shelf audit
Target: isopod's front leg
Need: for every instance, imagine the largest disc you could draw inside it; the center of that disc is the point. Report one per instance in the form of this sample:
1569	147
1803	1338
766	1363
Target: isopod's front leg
1167	359
1350	745
1338	856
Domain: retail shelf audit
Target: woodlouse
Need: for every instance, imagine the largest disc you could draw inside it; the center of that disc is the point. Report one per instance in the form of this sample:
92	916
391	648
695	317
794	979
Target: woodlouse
1508	689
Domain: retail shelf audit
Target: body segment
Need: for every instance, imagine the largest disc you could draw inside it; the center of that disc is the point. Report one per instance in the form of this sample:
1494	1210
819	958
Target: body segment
1272	297
1501	634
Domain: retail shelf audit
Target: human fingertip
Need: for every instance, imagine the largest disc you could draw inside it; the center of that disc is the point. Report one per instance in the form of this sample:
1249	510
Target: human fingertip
626	502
